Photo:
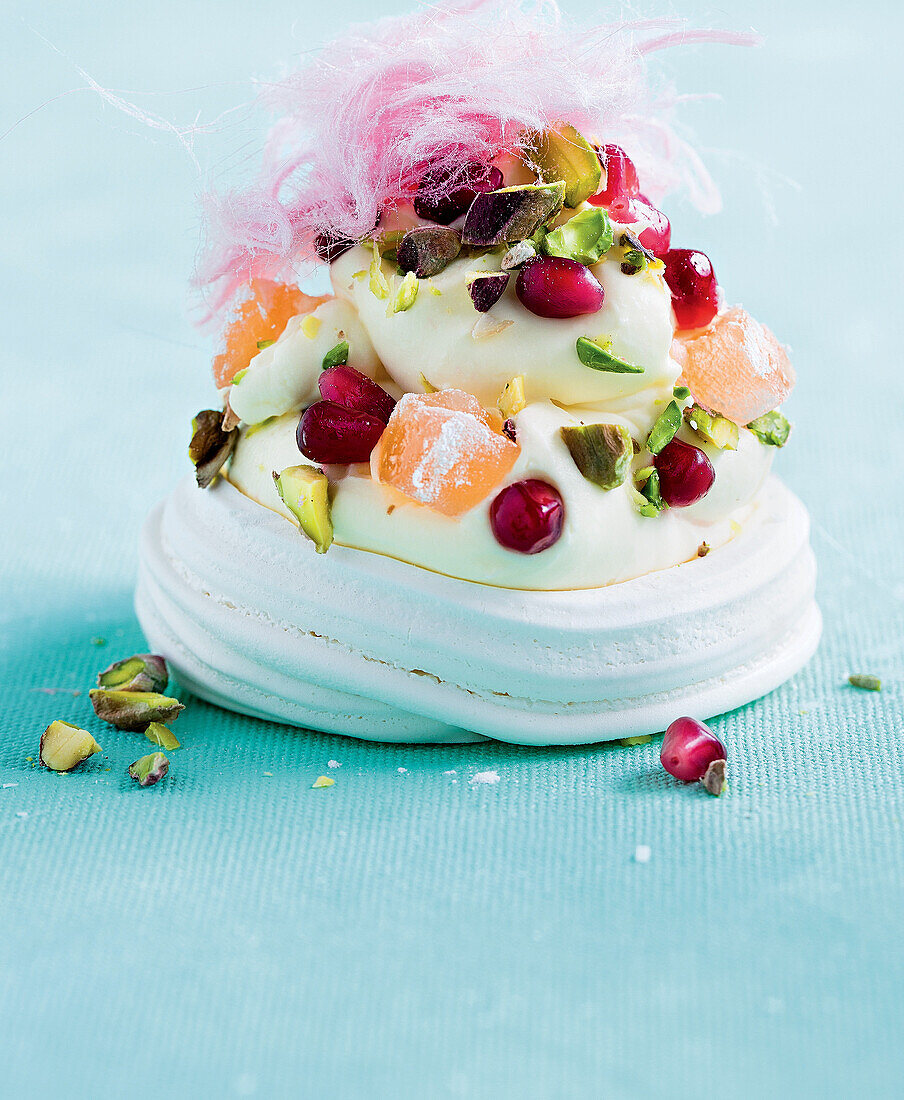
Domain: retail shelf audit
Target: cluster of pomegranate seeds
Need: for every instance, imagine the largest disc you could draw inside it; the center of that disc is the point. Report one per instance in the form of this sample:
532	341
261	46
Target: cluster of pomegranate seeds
686	475
444	195
350	388
328	432
691	752
527	516
692	281
555	287
619	173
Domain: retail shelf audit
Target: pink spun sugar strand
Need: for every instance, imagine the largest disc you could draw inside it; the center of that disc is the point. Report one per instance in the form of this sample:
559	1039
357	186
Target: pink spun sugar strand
736	367
443	451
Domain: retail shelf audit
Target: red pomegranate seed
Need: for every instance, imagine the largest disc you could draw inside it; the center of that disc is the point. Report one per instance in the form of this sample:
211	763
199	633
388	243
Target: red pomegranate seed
556	287
620	176
444	195
689	748
692	281
686	475
652	228
328	432
353	390
528	516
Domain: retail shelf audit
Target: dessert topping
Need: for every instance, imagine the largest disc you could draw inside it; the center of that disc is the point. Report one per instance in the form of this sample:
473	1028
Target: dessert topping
686	474
149	769
133	710
771	428
520	253
562	153
210	445
404	295
555	287
689	748
585	237
664	430
602	452
692	281
635	257
336	356
143	672
428	250
329	432
444	195
511	401
620	179
512	213
597	356
350	388
377	281
64	746
305	492
528	516
486	288
715	429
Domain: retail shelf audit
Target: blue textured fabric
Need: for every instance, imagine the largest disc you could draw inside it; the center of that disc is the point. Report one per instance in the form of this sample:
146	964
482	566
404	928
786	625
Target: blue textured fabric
408	932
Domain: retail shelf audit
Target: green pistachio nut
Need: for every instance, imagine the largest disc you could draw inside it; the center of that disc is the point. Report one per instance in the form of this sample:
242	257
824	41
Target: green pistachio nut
305	492
511	214
561	153
585	237
149	769
143	672
336	356
64	746
864	681
665	429
404	295
602	452
712	428
598	357
134	710
772	429
428	250
158	734
210	445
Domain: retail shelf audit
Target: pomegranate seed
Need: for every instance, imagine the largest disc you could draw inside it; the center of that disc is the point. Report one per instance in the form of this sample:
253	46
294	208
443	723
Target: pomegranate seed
444	195
620	176
528	516
328	432
353	390
651	227
689	748
556	287
692	281
686	475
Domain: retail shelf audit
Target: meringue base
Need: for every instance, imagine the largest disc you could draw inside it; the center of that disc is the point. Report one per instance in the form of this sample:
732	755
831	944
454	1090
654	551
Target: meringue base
356	643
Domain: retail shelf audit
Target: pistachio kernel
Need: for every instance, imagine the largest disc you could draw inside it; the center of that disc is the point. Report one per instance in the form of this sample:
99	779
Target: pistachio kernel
714	778
561	153
865	681
512	213
712	428
512	400
337	356
133	710
602	452
404	295
599	357
586	237
210	446
772	429
64	746
305	492
665	429
149	769
520	253
158	734
486	288
143	672
428	250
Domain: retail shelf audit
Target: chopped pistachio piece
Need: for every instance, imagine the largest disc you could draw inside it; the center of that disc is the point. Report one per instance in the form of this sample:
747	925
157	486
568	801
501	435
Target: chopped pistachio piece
644	506
520	253
428	387
486	288
261	344
598	357
404	296
561	153
865	681
666	427
585	237
149	769
635	258
305	492
210	446
428	250
336	356
322	781
713	428
143	672
681	392
379	285
772	429
64	746
310	326
714	779
652	491
602	452
512	213
641	739
240	374
133	710
511	401
158	734
703	549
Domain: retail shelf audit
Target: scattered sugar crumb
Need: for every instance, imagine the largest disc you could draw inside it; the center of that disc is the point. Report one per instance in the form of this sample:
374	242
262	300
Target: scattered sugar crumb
451	772
21	813
268	774
642	853
322	781
333	764
402	771
485	777
6	786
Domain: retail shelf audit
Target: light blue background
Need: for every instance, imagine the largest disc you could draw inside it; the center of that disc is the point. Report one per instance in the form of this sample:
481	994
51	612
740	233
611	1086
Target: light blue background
233	933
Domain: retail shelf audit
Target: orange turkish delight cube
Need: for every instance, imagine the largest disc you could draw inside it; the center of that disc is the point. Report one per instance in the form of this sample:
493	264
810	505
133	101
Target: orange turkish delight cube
736	367
443	450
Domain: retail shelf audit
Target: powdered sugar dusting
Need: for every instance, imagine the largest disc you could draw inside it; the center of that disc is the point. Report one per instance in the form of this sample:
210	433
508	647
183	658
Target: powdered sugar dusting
481	778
